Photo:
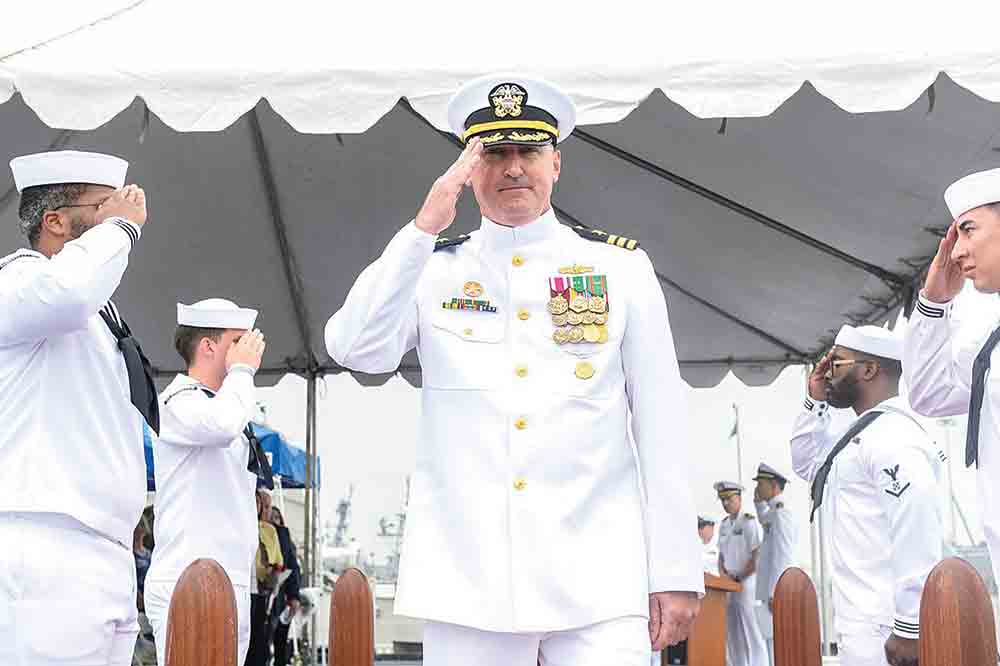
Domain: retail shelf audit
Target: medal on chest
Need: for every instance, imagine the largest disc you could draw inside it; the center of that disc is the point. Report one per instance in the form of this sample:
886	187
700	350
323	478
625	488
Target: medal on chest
579	306
470	300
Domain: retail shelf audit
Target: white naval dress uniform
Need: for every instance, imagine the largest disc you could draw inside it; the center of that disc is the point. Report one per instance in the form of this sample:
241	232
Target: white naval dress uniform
205	504
739	537
777	553
72	466
525	471
937	365
881	501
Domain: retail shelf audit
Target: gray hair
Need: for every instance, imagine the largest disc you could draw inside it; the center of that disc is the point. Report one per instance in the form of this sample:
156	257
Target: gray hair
40	198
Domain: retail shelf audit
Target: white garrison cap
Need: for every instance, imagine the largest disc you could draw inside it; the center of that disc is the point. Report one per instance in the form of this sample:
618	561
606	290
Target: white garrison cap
873	340
215	313
511	109
68	166
727	488
976	189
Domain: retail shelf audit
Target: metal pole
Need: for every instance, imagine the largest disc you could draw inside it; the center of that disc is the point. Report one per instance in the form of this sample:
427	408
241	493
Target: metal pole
946	423
310	517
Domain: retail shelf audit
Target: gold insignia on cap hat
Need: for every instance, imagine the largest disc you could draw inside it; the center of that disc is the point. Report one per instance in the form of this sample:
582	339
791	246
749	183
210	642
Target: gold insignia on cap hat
507	100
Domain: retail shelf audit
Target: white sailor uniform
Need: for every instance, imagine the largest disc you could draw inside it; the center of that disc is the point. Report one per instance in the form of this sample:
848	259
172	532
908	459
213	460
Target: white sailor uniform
72	466
777	549
882	505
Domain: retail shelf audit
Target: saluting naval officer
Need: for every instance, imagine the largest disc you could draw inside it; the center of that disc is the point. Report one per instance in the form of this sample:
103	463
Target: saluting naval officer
207	460
877	476
777	545
739	550
947	366
74	391
537	342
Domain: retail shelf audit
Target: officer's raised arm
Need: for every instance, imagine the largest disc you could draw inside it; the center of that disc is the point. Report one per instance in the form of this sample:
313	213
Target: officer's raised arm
378	322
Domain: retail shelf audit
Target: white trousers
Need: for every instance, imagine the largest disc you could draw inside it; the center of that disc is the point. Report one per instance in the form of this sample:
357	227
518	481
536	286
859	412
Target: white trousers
863	644
157	596
745	644
67	594
621	642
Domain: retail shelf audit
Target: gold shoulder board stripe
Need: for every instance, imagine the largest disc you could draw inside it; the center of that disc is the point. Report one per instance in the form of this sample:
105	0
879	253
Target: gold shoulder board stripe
604	237
444	243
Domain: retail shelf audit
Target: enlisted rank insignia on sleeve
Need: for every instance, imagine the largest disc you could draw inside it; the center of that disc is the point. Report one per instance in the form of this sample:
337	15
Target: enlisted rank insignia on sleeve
443	243
579	308
896	487
604	237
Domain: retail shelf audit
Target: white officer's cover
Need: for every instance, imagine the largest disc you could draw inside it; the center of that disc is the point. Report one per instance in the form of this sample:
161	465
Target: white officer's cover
519	101
976	189
873	340
215	313
68	166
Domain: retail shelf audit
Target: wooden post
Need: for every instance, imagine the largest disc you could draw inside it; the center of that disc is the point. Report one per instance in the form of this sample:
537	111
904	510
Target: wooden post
956	618
796	621
352	621
201	622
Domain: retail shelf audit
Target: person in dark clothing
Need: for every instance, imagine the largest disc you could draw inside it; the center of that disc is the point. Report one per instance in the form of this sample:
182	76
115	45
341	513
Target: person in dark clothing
288	593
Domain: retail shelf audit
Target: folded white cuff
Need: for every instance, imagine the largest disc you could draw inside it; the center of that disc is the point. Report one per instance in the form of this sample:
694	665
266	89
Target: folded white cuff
930	310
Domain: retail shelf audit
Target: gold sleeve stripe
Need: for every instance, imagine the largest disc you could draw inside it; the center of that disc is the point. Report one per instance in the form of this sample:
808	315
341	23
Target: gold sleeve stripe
631	245
510	124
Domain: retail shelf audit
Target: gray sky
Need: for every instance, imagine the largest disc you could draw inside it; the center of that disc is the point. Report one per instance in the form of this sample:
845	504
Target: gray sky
367	437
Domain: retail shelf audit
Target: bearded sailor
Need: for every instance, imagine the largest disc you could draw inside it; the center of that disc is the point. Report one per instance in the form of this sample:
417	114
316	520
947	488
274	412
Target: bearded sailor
75	389
876	476
207	460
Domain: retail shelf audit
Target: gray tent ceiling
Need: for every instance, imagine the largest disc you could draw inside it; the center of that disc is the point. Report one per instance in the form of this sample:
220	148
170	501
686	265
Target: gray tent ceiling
767	233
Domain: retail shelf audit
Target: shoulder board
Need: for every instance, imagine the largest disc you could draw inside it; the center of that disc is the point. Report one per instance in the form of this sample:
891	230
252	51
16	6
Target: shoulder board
749	516
442	243
14	257
604	237
779	505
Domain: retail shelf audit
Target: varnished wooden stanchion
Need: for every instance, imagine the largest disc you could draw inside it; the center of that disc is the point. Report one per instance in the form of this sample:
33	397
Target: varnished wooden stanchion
352	621
956	618
796	621
201	623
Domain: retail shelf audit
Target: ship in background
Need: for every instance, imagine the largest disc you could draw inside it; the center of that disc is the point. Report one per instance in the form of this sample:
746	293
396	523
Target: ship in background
395	635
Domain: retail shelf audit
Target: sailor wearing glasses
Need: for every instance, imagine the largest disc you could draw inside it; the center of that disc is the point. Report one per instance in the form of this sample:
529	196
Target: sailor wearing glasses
74	391
876	477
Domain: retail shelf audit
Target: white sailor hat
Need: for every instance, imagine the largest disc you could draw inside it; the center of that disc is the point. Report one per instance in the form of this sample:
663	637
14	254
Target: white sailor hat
765	471
873	340
511	109
972	191
727	489
61	167
215	313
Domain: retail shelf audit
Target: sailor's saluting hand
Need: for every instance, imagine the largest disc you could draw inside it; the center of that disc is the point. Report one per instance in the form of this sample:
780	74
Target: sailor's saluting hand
439	209
944	276
248	350
129	202
818	382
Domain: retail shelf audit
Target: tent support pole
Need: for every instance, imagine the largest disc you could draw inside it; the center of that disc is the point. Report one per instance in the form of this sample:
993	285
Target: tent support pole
312	555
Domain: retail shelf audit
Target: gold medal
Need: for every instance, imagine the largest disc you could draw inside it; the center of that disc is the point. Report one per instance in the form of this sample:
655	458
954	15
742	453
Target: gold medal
578	304
560	336
558	305
559	319
472	289
576	334
591	333
574	318
584	370
597	304
602	331
589	317
601	319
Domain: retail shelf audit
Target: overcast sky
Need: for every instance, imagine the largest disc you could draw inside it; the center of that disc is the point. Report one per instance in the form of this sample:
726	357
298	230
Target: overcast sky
367	437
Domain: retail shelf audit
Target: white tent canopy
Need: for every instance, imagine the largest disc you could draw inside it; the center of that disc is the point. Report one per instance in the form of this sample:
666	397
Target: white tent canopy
279	159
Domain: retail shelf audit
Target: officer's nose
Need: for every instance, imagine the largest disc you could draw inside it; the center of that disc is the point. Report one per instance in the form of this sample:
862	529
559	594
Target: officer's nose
514	169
